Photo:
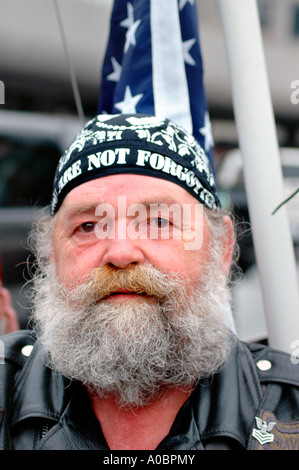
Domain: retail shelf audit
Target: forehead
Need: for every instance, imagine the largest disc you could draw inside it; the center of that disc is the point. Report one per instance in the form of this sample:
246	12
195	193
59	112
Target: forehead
136	188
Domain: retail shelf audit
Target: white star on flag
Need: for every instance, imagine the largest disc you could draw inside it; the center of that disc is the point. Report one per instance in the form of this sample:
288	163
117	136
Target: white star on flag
186	51
117	68
128	105
127	23
130	36
184	2
131	25
206	131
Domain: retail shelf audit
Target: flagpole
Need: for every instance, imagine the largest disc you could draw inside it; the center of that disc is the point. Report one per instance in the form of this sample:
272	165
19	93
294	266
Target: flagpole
262	170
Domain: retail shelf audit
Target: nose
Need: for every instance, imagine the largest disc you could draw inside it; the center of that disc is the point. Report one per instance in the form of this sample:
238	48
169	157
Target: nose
122	254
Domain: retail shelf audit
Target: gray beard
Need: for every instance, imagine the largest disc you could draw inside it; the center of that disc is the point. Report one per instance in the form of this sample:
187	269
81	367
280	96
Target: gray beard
135	349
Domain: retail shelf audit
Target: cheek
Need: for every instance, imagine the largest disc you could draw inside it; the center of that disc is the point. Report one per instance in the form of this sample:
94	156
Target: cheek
171	257
71	264
185	256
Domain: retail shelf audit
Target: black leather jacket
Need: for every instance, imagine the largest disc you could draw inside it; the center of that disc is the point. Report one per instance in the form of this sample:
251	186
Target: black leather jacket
40	409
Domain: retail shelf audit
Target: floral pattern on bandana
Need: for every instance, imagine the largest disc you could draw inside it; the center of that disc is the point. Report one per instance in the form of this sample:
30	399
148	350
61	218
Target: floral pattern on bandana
160	136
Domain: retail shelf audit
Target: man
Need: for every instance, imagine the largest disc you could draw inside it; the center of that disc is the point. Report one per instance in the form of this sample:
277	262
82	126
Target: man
134	347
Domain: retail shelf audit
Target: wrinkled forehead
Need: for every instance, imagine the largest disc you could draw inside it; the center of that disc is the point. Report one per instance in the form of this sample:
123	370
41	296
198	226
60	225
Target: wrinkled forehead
125	190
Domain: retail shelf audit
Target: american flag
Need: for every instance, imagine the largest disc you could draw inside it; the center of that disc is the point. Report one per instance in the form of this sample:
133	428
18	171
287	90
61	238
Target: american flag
153	65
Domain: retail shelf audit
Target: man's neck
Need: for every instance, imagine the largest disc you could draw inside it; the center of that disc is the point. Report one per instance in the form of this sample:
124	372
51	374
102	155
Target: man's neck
140	429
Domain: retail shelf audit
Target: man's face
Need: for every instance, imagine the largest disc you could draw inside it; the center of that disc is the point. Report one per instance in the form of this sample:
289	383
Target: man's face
122	304
114	221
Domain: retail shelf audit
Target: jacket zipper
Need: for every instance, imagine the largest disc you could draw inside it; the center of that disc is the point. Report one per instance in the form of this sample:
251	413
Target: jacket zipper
45	429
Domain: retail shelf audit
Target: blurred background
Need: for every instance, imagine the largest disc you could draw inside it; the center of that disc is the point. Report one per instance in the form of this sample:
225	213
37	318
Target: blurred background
39	118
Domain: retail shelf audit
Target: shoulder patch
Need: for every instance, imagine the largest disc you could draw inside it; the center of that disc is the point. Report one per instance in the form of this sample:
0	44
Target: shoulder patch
271	434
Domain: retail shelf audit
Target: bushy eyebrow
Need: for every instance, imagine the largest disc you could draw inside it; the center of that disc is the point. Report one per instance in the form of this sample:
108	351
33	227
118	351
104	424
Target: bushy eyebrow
77	209
159	200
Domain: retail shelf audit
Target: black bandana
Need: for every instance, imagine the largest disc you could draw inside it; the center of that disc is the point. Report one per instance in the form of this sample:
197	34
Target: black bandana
135	144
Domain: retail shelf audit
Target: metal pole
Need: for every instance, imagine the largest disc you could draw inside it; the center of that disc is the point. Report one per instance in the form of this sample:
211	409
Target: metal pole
262	170
71	70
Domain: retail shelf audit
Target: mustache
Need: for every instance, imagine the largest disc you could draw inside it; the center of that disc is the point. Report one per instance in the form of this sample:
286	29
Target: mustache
143	280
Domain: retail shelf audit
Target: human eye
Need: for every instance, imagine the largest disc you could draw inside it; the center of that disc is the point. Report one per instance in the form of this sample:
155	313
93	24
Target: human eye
160	228
84	232
87	227
159	222
165	222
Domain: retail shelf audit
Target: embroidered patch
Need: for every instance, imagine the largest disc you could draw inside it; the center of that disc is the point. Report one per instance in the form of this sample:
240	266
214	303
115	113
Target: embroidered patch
271	434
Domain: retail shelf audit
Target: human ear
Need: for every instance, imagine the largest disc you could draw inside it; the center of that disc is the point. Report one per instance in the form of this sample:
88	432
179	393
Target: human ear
228	244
